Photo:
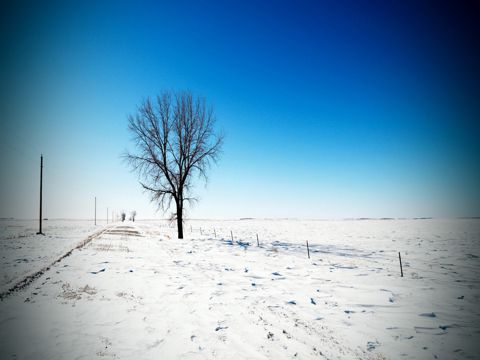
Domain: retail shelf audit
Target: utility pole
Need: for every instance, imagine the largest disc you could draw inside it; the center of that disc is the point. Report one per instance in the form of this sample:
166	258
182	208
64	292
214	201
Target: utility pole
41	181
95	210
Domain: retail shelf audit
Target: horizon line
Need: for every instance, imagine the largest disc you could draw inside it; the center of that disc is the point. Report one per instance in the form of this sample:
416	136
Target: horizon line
260	218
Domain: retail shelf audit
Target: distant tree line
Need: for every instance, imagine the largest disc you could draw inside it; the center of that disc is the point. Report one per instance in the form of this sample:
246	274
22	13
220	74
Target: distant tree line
123	215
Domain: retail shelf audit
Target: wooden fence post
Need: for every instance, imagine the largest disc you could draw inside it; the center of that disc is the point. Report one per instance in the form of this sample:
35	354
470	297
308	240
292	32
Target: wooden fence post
401	269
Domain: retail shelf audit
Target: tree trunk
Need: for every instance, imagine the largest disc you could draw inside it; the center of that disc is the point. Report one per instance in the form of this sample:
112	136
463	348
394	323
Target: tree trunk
180	221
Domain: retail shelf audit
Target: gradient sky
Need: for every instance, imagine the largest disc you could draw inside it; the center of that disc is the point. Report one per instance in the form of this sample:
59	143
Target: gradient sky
331	109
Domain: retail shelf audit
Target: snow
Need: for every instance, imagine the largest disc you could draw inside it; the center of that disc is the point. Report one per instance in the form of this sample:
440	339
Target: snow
135	291
24	252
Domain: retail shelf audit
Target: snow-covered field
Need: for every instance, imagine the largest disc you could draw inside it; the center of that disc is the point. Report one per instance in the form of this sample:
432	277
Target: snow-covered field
136	291
23	252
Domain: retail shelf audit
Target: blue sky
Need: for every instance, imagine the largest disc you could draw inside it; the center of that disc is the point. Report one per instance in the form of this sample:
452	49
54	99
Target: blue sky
331	109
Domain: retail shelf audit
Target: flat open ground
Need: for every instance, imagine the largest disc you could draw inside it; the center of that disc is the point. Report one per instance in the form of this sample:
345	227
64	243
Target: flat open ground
135	291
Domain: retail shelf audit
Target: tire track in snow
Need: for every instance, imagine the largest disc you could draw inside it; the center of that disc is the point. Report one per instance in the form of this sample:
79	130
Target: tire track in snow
28	279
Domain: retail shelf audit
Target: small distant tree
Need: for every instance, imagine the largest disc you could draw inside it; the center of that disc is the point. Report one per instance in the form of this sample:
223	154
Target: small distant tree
132	215
175	140
123	216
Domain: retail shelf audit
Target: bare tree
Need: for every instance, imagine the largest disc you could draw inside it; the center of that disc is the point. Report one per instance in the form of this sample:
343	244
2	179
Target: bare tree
133	214
176	141
123	215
